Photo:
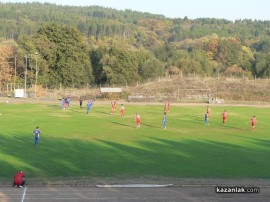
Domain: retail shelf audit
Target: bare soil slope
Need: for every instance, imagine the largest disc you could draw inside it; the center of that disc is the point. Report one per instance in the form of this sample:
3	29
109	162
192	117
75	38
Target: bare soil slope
222	88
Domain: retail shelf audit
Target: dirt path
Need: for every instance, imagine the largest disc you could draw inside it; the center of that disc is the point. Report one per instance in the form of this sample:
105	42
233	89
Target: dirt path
90	181
58	101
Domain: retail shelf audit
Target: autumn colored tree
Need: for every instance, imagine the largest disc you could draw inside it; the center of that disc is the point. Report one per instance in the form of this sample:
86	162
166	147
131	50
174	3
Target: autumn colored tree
173	70
211	47
6	63
228	51
236	71
64	36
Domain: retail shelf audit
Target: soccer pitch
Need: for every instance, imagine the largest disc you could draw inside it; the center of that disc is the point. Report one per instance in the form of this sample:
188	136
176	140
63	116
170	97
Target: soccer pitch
74	144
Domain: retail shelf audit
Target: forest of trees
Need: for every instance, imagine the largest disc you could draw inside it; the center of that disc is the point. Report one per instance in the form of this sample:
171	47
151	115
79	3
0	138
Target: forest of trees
75	46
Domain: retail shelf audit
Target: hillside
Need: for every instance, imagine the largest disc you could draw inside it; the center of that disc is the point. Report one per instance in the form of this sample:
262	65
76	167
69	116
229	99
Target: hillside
77	46
99	22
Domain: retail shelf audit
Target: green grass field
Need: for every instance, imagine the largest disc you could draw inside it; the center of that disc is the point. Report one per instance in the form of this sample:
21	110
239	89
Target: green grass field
74	144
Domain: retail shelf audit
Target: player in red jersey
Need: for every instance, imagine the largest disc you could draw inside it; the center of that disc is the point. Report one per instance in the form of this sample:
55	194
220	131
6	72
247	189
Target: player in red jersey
253	123
138	120
122	110
18	179
114	105
224	116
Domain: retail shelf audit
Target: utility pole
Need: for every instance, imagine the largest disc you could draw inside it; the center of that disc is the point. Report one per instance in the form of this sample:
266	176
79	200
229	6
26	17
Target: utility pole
25	74
15	66
36	76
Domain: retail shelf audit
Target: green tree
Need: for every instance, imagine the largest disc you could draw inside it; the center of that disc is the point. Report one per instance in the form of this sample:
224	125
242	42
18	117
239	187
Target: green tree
96	57
164	53
262	65
152	68
262	45
69	62
120	66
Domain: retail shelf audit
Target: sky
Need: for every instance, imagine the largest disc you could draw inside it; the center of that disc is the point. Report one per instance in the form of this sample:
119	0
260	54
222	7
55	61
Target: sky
226	9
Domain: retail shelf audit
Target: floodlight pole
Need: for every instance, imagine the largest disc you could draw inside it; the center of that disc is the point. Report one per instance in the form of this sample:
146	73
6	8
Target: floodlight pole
25	74
15	65
36	76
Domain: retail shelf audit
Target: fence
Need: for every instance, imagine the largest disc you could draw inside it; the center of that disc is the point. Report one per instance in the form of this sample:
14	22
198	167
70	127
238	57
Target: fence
175	89
141	98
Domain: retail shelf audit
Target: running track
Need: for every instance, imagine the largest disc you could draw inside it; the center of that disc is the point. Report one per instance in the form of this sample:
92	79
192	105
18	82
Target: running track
189	193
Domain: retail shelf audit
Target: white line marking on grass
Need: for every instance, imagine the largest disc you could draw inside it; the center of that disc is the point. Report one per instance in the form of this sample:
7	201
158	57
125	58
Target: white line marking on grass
72	199
135	185
250	118
24	194
20	124
241	115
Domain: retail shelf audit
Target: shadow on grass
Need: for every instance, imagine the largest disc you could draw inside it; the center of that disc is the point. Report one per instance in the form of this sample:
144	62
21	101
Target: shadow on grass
121	124
101	112
154	156
213	123
250	138
151	112
201	122
194	119
78	110
144	124
24	140
53	106
73	109
231	127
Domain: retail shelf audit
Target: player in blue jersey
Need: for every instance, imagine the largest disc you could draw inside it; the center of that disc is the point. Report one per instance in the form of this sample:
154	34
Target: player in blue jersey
164	122
68	101
89	105
206	118
63	103
36	132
